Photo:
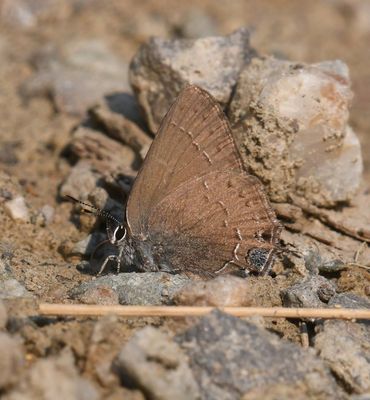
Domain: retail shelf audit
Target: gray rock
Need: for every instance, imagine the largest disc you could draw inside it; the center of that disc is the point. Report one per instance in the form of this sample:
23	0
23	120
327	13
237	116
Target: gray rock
291	120
161	68
10	288
126	105
17	209
47	213
80	182
146	288
87	246
106	155
230	357
44	216
25	14
11	360
53	378
77	75
157	365
349	300
315	291
332	266
345	348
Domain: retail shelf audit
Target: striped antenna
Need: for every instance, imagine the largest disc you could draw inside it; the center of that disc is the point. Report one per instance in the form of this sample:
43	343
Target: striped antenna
94	210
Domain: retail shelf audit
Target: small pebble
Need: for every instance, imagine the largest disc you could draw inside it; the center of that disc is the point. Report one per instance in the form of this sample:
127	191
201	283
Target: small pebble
11	288
17	209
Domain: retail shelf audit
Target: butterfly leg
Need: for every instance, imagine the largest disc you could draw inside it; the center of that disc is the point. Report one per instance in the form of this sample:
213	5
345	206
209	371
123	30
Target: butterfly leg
109	258
234	261
119	258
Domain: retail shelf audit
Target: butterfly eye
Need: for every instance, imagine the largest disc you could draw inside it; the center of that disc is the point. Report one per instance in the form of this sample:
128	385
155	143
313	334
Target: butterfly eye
119	233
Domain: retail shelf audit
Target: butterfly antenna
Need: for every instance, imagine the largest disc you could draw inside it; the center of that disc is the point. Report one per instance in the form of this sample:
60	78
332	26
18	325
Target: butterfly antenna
94	210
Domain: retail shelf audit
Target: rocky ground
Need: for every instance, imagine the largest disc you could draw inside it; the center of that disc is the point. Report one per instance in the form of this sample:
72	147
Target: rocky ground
77	117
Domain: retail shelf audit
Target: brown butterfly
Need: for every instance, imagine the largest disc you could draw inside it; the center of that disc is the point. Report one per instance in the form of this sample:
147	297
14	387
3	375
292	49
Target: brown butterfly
193	208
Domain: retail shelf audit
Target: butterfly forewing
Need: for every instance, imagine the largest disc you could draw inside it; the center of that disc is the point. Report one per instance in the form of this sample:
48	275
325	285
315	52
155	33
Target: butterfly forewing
212	219
194	139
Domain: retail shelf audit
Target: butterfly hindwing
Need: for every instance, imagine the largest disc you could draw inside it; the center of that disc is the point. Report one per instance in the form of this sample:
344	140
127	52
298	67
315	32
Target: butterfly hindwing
214	219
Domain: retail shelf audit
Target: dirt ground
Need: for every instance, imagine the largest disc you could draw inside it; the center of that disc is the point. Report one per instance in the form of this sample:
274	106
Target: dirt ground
33	133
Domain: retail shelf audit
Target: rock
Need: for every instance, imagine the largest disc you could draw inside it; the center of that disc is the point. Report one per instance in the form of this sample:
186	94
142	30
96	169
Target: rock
146	288
104	154
45	216
122	129
77	75
230	358
345	348
161	68
3	316
332	266
11	360
349	300
17	209
280	392
315	291
126	105
105	340
99	295
157	365
223	291
11	288
290	121
53	378
25	14
86	246
48	212
318	257
80	182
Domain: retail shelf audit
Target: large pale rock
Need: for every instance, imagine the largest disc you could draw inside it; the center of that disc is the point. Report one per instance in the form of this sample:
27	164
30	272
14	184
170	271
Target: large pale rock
290	121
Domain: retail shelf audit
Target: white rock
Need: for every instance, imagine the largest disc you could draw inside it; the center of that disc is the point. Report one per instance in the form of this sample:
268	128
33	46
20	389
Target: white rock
17	209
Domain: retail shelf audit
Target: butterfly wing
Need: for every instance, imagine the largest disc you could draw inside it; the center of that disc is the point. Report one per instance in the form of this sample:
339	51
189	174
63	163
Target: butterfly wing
193	139
213	219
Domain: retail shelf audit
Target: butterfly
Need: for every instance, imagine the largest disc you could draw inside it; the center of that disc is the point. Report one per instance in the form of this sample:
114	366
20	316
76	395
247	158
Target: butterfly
193	208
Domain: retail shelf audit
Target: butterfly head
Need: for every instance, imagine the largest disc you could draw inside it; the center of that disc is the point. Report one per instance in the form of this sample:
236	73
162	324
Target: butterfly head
116	230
